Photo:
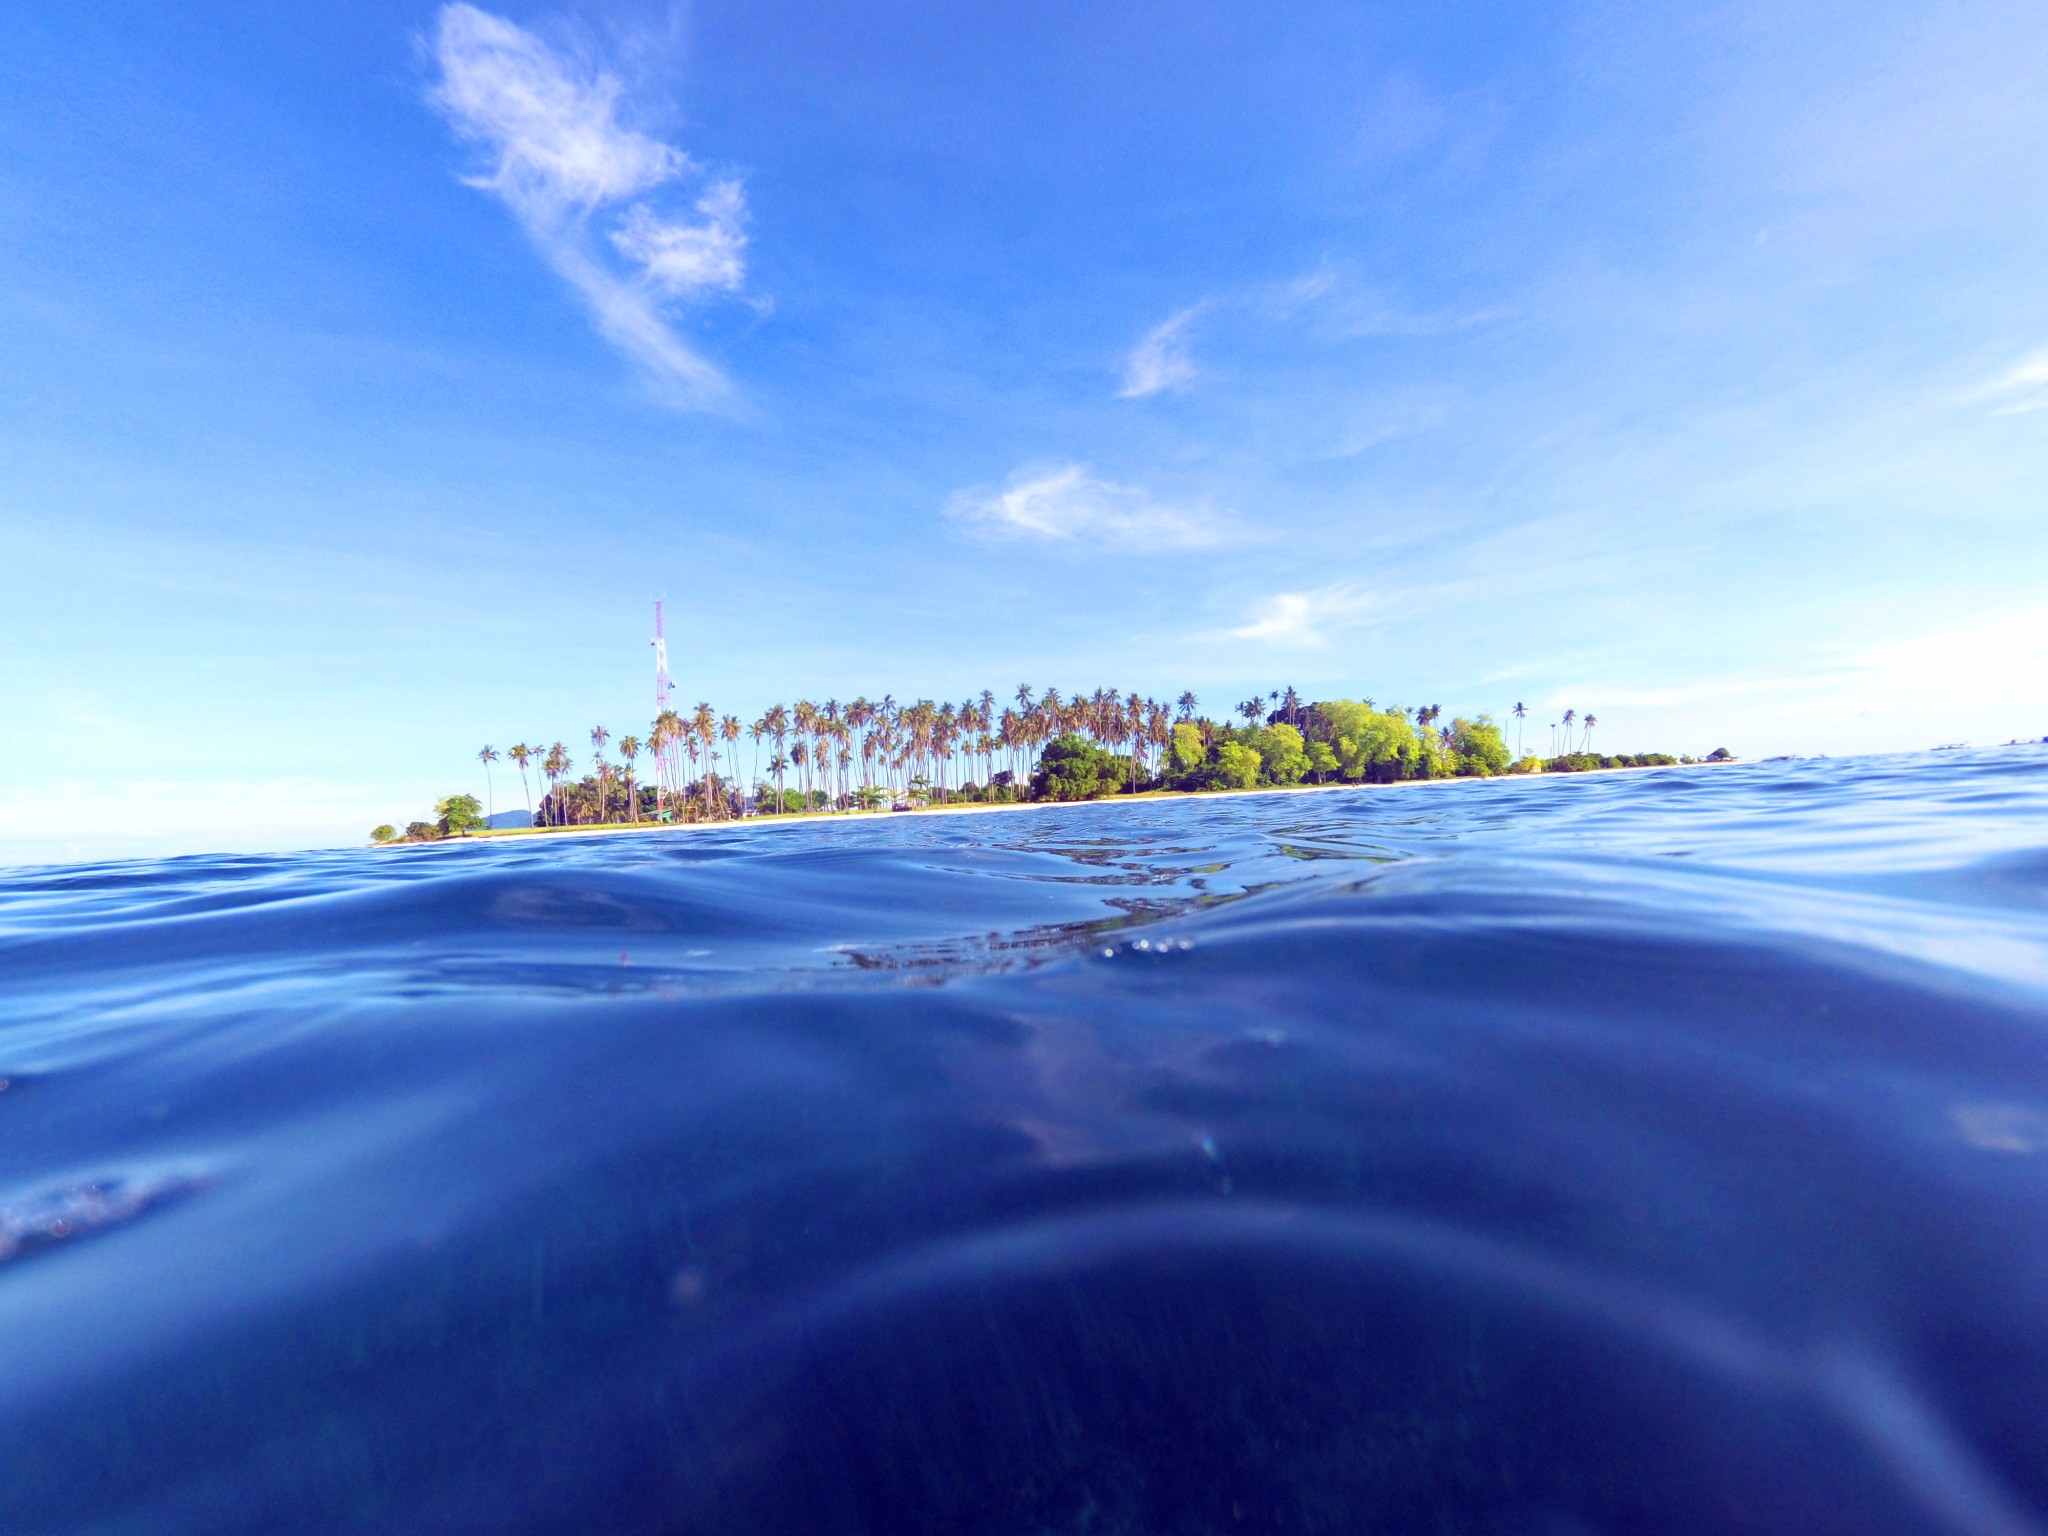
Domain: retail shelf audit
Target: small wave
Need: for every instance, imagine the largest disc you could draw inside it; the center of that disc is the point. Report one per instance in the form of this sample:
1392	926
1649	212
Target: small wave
1652	1152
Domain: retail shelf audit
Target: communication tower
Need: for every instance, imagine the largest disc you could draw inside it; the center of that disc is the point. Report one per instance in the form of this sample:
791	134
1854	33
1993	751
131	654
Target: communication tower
668	749
664	685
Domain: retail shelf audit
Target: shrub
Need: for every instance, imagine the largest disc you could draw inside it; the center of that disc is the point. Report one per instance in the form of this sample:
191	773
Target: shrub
421	832
385	833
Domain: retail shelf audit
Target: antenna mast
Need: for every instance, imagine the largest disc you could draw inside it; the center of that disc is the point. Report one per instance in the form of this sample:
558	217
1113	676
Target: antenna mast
668	751
664	685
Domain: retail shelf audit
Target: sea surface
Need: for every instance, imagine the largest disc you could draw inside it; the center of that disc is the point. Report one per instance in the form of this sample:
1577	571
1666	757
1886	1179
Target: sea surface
1643	1152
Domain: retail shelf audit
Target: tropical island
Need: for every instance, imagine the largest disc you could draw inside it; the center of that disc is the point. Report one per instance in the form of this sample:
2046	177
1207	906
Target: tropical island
862	756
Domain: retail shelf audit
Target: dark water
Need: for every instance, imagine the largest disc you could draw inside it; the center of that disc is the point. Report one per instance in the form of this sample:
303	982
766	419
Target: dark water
1658	1152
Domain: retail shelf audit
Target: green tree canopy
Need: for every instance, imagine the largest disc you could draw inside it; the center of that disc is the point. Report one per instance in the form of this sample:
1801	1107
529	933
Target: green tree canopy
1189	750
1074	768
1369	744
1237	765
459	814
1480	747
385	833
1283	758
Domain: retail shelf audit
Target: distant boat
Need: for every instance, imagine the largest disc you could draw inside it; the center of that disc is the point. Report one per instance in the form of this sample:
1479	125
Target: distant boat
1952	746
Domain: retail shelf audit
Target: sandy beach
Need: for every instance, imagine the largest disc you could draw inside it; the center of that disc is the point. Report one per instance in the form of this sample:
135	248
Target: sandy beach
1150	797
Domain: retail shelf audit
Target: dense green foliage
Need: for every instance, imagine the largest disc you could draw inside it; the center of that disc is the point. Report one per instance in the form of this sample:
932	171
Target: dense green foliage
1074	768
872	756
459	815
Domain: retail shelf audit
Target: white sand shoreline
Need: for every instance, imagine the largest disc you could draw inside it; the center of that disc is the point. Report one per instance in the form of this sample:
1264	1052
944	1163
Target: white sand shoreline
1151	797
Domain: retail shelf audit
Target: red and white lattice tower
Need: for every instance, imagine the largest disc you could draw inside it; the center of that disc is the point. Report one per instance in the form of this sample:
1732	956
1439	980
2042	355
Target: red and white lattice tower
668	749
664	685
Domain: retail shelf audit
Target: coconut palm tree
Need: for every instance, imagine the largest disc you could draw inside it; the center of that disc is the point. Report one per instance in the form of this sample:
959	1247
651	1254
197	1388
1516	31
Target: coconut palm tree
778	730
1521	713
488	756
629	749
1186	704
520	753
1588	723
729	731
704	730
757	730
1569	716
554	765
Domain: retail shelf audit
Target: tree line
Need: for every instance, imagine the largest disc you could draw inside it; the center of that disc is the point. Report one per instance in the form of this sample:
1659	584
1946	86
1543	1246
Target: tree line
871	755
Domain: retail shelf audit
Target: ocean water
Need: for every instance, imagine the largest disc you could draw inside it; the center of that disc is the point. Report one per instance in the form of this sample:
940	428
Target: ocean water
1649	1152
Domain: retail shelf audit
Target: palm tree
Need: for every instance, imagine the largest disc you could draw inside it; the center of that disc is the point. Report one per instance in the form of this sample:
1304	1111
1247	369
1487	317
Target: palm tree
488	756
704	728
757	730
629	749
1569	716
668	735
554	765
729	729
519	754
1589	722
1521	713
778	729
1186	703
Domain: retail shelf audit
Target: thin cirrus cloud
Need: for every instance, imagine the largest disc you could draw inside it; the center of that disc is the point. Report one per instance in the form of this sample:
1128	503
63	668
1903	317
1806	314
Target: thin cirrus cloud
1306	618
2022	387
1319	308
569	170
1163	360
1066	504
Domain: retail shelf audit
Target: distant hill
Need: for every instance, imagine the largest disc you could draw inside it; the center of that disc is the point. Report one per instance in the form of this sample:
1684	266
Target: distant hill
511	819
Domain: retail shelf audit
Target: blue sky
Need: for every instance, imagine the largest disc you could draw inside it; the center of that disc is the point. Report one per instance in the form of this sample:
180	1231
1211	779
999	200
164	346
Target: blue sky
367	371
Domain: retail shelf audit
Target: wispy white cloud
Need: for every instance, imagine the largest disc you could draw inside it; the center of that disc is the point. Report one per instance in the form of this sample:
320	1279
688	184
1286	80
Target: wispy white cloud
1067	504
1308	618
563	162
2022	387
1263	323
1163	359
